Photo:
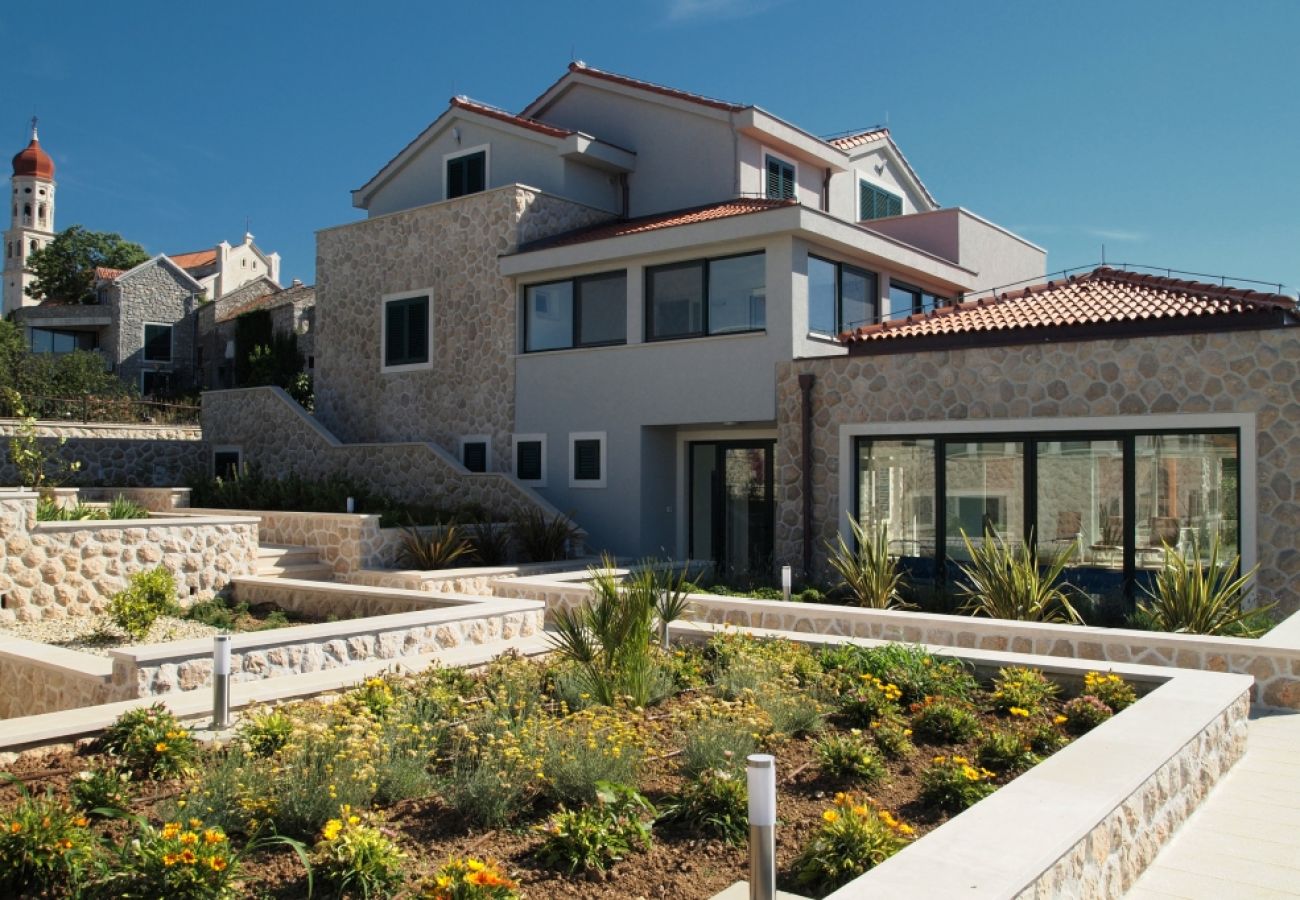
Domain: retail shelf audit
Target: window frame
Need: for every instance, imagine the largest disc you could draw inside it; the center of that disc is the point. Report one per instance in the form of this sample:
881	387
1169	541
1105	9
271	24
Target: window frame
879	188
840	265
918	299
518	439
237	450
576	282
384	368
144	342
449	158
574	438
768	157
704	332
486	441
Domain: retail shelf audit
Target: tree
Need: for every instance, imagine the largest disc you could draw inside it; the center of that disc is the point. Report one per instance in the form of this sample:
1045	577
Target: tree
65	268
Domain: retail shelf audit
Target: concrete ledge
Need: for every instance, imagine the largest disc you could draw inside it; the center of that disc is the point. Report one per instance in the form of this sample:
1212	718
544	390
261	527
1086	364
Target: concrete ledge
58	659
154	521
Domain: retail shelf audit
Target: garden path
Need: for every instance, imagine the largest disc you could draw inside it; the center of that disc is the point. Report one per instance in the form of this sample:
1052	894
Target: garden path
1244	841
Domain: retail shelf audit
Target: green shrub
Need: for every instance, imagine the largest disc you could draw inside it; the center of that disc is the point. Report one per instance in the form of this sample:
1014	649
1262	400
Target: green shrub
468	879
586	748
1006	750
543	539
715	803
914	670
1010	582
1110	689
121	508
849	756
151	742
853	836
147	596
1017	687
866	569
743	662
792	712
440	548
892	735
590	839
106	788
1082	714
44	846
868	699
720	737
491	545
1044	737
265	731
353	857
1195	597
180	861
944	722
951	783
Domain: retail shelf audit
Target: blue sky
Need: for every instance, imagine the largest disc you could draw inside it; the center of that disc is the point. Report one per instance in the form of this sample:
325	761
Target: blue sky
1168	131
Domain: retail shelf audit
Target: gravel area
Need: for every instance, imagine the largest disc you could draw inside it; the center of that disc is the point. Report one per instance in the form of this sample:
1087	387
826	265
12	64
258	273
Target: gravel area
97	634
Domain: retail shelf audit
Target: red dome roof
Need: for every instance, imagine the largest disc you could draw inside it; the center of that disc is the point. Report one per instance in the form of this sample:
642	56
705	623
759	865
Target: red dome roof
34	162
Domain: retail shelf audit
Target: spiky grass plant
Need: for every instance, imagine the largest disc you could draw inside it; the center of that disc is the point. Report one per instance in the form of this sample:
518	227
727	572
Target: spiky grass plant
1195	597
1010	582
543	539
436	550
866	568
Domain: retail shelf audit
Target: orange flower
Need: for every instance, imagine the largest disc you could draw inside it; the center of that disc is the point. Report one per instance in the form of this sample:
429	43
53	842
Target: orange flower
15	827
187	856
217	863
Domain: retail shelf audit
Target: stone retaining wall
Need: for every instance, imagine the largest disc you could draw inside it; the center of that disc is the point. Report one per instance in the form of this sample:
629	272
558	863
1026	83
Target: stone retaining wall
125	455
476	581
38	678
323	599
1274	666
56	569
346	541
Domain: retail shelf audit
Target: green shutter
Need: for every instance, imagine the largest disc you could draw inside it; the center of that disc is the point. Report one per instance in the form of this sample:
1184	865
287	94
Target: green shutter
417	330
474	456
780	179
528	460
395	336
407	339
875	203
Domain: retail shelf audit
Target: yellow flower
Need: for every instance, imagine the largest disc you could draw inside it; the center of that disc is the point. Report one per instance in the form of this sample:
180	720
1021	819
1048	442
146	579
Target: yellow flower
212	836
187	856
1019	711
169	859
217	863
80	821
332	829
196	823
160	747
354	820
831	816
1060	720
189	839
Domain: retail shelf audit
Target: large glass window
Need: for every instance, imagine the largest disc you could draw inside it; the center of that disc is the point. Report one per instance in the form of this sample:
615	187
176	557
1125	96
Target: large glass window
715	296
905	300
53	340
840	297
984	494
158	343
466	174
1080	500
582	312
1186	495
896	488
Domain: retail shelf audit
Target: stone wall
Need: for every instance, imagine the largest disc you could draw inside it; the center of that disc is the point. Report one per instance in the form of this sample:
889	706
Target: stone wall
348	542
452	249
117	455
56	569
38	678
1234	372
159	295
279	437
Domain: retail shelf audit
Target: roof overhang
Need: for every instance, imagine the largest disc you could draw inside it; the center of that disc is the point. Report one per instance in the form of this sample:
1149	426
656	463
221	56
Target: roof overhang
782	136
800	221
36	317
596	153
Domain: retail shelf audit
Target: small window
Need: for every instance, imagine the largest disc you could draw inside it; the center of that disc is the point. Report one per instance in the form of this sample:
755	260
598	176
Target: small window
155	384
474	452
226	462
157	343
780	179
587	459
877	203
467	174
530	458
905	300
407	332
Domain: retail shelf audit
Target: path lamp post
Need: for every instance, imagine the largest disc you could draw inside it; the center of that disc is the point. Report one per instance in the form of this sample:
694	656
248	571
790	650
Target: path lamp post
760	772
785	583
221	682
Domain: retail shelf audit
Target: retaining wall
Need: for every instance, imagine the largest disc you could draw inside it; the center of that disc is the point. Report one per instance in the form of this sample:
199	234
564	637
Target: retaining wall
126	455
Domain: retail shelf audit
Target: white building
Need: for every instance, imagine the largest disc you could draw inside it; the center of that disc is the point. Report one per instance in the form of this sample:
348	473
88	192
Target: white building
31	220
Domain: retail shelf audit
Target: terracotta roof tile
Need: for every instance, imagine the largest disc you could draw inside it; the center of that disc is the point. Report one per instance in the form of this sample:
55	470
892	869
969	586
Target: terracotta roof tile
294	294
196	260
1104	296
493	112
103	273
656	88
724	210
850	141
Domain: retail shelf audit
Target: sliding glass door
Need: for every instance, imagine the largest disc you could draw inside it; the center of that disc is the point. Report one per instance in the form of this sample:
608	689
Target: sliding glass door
731	513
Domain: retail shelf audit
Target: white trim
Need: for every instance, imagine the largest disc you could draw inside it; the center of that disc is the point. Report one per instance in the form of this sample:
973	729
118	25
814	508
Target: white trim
762	171
144	343
574	437
485	440
1244	423
384	300
515	440
486	150
228	448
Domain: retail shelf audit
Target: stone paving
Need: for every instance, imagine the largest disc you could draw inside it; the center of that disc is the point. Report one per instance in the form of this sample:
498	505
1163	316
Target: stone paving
1244	841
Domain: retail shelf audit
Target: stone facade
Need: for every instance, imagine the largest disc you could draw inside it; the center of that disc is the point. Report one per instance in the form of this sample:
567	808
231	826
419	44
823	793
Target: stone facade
117	455
38	678
347	542
55	569
1234	372
292	311
279	437
451	249
155	293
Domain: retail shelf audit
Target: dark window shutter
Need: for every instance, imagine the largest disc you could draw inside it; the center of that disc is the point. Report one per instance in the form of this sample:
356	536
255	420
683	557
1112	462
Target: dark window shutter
780	180
528	460
475	173
893	205
407	340
417	331
475	456
395	339
586	460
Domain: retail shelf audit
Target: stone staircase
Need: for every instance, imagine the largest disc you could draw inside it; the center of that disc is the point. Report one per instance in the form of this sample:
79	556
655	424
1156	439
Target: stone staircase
284	561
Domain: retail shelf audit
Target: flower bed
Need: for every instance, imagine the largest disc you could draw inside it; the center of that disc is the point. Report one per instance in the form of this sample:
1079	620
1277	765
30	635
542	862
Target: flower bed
874	747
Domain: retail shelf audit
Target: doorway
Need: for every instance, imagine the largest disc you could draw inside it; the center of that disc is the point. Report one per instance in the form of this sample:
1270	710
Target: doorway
732	514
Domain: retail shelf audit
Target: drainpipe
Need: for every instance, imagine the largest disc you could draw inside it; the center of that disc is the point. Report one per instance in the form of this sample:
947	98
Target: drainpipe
625	199
806	380
826	190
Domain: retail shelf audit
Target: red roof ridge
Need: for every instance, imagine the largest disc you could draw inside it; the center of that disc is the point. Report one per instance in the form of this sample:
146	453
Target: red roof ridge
629	81
857	139
495	112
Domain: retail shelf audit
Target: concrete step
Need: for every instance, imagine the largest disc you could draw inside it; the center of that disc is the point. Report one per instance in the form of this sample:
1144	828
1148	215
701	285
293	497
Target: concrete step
283	553
302	571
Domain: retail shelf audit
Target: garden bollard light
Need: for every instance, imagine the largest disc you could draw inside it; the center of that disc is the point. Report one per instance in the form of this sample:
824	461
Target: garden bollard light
352	504
785	583
761	774
221	682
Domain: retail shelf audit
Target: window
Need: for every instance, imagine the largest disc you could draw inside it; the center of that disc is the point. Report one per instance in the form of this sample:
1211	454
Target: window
840	297
466	173
226	461
877	203
157	343
155	384
780	179
905	300
709	296
475	453
530	458
587	459
408	337
54	340
583	312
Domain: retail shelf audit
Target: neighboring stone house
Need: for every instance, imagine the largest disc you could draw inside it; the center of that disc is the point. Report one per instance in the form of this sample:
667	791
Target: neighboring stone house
291	310
612	294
